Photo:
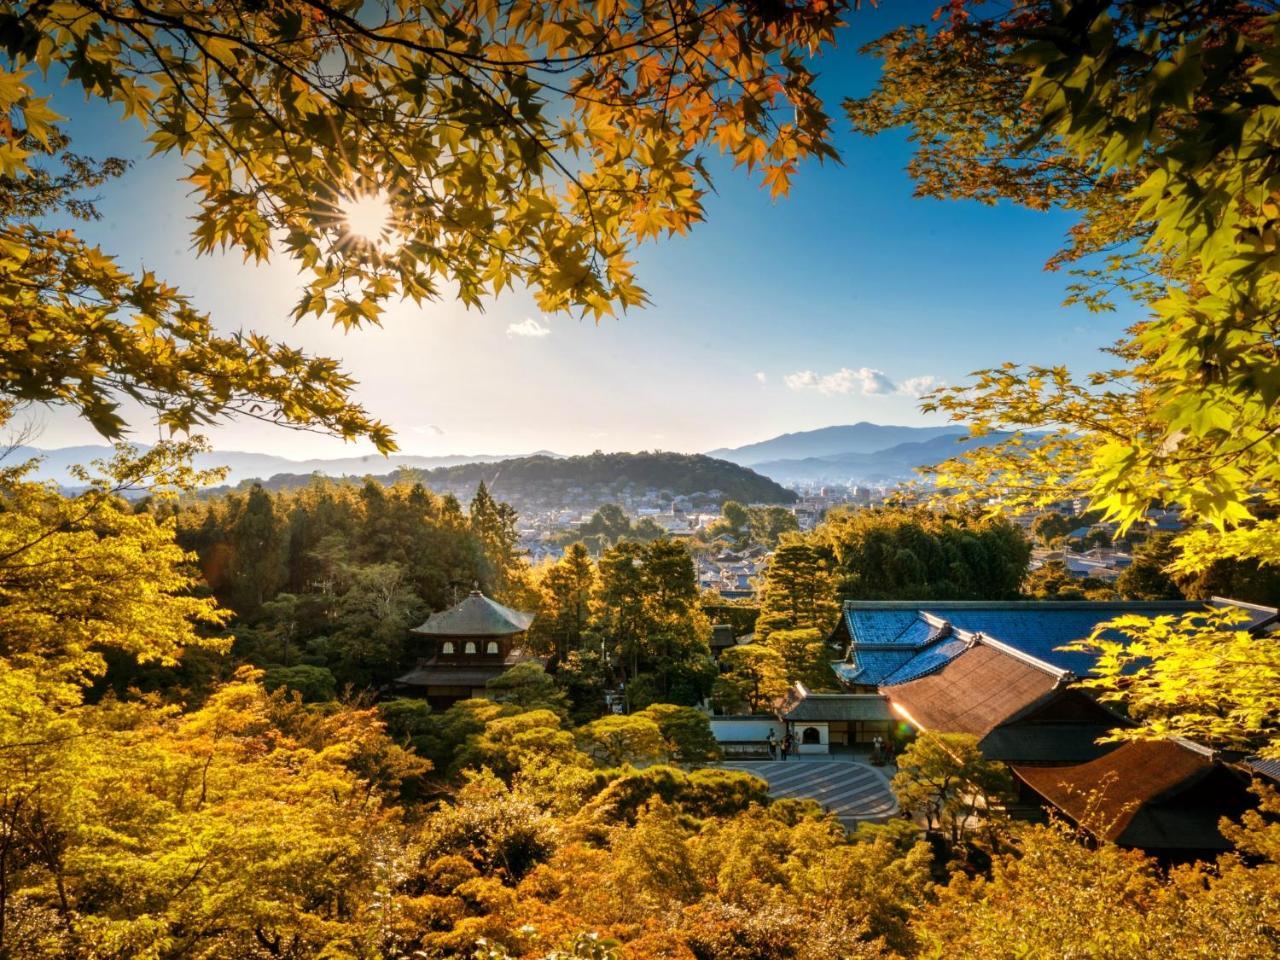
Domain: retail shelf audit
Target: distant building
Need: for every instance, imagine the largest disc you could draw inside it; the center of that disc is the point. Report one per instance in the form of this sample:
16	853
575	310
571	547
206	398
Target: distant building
466	646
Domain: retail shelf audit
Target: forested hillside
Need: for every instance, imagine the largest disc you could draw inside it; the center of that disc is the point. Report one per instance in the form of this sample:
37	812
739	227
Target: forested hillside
551	481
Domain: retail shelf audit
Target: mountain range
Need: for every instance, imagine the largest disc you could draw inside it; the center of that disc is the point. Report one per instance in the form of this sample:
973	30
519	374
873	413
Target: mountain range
865	453
56	464
857	438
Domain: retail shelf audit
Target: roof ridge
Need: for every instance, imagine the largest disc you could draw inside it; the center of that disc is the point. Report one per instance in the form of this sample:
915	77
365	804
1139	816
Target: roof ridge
977	636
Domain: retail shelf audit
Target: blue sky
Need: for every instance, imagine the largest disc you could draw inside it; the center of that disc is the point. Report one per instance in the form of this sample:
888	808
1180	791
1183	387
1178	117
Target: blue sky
824	307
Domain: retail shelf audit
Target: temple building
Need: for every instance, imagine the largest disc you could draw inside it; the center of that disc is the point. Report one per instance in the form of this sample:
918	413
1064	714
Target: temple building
466	646
1006	674
1164	797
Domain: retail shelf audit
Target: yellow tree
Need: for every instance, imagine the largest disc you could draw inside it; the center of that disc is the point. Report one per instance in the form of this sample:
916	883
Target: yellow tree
390	150
1153	123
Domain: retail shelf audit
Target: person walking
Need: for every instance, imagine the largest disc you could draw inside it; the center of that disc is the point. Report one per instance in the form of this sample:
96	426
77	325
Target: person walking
773	746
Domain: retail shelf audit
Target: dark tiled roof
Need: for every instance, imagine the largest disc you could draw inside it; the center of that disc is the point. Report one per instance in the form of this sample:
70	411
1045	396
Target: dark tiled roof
1047	743
433	676
476	616
1264	768
827	707
721	636
976	691
1159	794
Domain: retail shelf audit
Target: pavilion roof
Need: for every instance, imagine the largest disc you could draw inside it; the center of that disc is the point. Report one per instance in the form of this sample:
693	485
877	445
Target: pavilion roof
476	616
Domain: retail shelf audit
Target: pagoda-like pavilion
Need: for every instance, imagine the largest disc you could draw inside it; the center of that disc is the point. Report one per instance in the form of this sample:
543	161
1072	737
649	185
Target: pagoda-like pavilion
467	646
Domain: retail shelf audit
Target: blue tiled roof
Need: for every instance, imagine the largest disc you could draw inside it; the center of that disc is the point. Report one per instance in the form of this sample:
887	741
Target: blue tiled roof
894	643
879	626
1040	632
872	666
934	658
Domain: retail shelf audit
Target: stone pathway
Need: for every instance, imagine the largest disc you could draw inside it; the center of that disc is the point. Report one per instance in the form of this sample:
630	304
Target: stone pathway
853	791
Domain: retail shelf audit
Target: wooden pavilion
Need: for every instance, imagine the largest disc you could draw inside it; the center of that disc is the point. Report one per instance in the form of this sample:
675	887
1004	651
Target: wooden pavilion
466	646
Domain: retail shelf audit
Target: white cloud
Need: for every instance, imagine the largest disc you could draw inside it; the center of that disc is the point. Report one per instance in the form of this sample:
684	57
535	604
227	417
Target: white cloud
919	386
761	377
528	327
843	381
865	380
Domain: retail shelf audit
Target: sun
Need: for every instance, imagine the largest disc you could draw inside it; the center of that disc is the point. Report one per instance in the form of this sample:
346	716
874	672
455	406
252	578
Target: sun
367	216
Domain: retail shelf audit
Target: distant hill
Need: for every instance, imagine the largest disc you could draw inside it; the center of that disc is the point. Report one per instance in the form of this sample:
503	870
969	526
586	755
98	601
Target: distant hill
243	466
880	467
542	480
833	441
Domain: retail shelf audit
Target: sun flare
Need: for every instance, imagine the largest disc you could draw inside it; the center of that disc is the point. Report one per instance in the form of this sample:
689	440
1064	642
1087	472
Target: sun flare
367	216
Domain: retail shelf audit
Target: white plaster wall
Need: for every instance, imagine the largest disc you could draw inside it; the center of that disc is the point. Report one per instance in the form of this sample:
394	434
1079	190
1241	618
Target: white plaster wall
726	729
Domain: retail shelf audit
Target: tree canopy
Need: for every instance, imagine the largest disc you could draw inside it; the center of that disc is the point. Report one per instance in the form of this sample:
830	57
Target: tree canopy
489	145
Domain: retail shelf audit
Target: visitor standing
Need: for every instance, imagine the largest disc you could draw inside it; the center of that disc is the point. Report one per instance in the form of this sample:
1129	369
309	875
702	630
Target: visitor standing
773	746
786	745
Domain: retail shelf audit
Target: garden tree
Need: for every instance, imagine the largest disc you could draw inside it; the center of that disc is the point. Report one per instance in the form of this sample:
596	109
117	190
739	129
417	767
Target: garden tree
617	740
1049	528
1147	578
493	826
894	553
805	657
258	553
387	152
1159	148
753	676
686	732
219	830
441	735
1245	579
528	686
1197	675
647	604
372	617
1051	581
512	742
734	522
313	684
584	675
701	793
494	524
797	591
606	527
87	574
564	611
747	525
943	779
769	524
1058	897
